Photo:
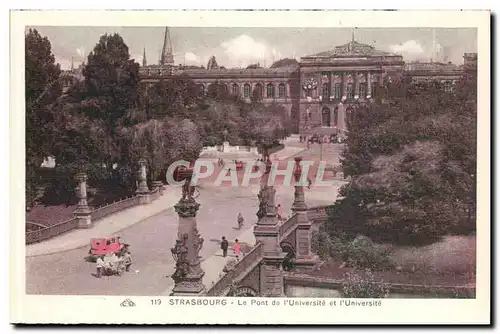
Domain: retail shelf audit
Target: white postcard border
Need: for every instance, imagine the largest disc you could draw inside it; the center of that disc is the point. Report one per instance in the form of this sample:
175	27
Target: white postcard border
101	309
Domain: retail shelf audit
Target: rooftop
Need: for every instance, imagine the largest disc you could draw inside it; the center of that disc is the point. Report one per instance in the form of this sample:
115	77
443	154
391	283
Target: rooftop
432	67
352	49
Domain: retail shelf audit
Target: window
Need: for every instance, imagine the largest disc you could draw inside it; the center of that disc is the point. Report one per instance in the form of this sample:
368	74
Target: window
282	90
325	91
270	91
236	90
258	92
350	91
336	91
374	89
246	91
362	90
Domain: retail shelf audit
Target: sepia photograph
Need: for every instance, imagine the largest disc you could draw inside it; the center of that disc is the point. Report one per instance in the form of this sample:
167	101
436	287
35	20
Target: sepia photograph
265	162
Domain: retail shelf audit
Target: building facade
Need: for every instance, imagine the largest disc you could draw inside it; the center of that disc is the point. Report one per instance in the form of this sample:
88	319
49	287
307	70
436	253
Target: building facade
319	91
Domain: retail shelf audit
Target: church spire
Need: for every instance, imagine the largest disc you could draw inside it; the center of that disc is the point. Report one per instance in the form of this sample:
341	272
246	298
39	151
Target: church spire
144	61
167	57
72	63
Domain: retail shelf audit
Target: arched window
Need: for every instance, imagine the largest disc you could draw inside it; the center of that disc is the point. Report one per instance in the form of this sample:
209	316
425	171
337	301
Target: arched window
350	91
325	120
270	91
246	91
282	90
259	91
336	91
236	90
362	90
325	91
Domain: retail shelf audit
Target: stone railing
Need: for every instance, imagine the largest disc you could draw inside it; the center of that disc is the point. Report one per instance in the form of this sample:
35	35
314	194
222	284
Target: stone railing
51	231
287	226
72	223
114	207
32	226
247	263
317	213
395	289
155	194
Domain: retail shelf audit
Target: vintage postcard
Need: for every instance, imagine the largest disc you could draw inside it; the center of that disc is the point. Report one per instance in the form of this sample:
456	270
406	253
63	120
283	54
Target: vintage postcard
250	167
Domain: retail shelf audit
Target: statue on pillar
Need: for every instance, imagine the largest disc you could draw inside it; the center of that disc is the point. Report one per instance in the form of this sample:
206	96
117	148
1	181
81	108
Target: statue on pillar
142	186
188	273
81	192
264	192
179	253
299	203
82	211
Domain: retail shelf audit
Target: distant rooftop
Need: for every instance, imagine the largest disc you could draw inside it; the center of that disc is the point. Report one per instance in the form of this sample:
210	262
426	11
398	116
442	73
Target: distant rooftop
432	67
352	49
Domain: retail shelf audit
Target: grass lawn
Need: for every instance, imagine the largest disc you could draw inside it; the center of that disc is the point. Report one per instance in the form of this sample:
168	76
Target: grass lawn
449	262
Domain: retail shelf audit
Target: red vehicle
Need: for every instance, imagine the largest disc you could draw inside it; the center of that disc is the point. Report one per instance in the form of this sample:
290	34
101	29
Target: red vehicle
104	246
239	165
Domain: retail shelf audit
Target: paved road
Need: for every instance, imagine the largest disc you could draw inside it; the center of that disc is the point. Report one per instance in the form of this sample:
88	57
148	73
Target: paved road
151	240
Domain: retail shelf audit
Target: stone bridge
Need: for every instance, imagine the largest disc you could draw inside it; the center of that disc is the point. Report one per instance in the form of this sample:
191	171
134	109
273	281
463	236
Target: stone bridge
248	277
280	246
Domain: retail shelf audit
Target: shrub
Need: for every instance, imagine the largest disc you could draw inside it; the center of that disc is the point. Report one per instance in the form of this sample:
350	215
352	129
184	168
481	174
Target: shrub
359	253
357	286
364	253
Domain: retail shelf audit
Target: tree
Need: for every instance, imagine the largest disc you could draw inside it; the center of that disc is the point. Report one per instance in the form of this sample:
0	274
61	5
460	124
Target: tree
111	90
413	164
42	88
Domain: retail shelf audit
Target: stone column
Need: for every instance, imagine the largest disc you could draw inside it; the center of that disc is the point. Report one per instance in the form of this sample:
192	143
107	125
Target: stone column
369	83
343	85
142	186
266	231
356	84
304	258
188	274
82	211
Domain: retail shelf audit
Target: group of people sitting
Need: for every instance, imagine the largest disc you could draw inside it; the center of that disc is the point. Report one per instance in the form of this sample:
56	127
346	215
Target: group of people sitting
109	263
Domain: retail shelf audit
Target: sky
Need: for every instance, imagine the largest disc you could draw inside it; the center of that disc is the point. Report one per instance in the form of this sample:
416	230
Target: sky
240	47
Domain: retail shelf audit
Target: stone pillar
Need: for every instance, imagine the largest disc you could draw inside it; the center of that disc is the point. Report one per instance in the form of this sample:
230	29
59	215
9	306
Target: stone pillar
188	274
356	84
343	85
266	231
82	211
142	186
368	83
304	258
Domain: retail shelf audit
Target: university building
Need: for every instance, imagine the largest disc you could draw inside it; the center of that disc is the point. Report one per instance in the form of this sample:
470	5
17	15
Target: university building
317	92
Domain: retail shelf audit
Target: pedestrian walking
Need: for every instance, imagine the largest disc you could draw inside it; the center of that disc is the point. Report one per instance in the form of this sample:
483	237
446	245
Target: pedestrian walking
309	183
99	266
224	246
237	249
280	211
127	259
241	220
